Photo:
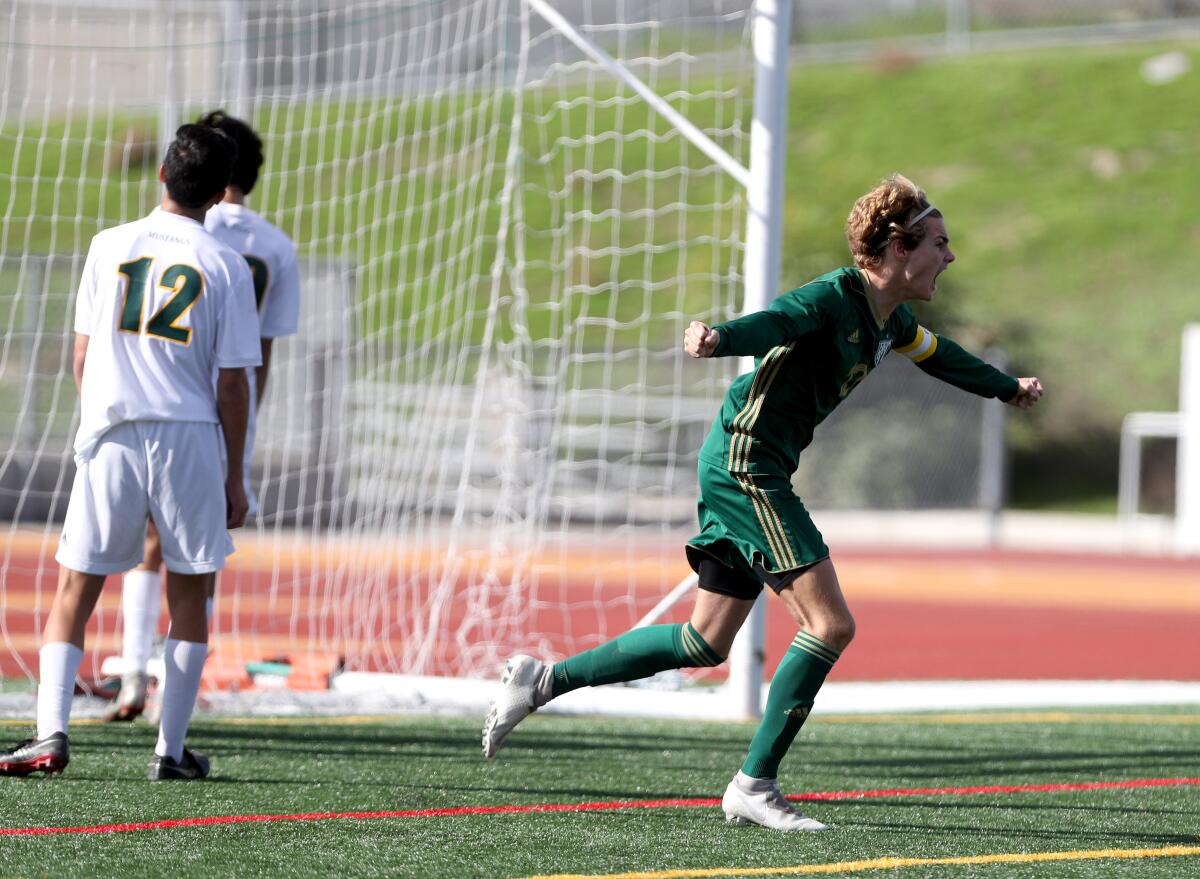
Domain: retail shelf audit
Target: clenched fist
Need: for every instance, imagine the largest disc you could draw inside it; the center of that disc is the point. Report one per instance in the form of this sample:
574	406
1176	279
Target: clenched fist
1028	393
700	340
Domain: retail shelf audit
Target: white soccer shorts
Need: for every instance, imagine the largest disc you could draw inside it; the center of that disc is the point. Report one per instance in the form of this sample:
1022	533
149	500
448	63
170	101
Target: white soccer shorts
172	471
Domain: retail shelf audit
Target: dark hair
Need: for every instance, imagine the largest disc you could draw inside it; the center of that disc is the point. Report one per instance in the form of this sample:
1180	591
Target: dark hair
250	148
198	164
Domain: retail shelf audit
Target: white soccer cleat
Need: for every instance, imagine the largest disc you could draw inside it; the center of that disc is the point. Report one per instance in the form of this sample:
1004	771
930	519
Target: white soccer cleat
762	802
131	700
513	703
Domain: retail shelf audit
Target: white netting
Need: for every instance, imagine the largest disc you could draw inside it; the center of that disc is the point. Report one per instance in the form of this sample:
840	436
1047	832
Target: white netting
483	437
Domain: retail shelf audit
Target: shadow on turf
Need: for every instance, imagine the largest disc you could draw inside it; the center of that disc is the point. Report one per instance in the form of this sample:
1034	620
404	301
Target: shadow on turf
382	740
1014	806
544	744
1077	837
1029	761
546	793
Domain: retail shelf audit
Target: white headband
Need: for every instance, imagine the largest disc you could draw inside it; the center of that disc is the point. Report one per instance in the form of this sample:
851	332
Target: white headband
919	217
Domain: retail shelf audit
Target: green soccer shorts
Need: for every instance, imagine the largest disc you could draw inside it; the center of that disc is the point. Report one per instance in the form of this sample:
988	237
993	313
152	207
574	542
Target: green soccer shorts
756	526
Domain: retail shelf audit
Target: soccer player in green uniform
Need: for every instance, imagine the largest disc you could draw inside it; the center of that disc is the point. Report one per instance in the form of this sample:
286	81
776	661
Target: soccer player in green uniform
812	346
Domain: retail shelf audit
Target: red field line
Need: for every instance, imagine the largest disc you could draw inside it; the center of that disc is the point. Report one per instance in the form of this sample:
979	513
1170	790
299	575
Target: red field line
595	806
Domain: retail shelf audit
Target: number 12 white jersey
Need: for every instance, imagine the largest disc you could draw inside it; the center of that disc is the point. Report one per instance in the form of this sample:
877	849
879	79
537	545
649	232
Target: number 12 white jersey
165	305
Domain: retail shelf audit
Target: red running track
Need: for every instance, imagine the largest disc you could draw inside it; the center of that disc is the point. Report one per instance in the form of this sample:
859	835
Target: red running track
951	615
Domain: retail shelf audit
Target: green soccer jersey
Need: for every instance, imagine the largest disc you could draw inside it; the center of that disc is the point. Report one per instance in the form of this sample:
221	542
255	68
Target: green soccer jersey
813	346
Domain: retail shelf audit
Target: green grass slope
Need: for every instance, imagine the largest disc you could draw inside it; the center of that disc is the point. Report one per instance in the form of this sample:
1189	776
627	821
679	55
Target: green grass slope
1065	179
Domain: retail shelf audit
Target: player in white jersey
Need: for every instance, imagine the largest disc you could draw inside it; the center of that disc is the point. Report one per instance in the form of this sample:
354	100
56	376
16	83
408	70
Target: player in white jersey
268	252
162	308
272	260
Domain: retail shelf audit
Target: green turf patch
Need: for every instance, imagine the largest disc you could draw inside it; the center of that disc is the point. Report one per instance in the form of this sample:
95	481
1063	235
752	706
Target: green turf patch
315	766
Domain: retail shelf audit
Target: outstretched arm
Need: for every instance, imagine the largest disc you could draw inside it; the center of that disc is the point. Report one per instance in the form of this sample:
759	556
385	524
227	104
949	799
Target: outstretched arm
793	314
945	359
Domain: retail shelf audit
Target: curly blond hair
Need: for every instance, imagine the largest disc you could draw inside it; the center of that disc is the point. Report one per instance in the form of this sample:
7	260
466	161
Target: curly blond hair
884	214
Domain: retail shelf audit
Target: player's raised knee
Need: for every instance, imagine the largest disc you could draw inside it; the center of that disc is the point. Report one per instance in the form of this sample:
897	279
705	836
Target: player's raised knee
697	651
836	631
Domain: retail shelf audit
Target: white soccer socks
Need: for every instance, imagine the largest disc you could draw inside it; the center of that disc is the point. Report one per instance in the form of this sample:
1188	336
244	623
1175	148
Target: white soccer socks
141	597
751	800
183	663
58	663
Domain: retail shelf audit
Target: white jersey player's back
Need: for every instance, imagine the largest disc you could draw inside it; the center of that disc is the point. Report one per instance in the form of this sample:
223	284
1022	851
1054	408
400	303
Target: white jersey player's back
164	306
272	260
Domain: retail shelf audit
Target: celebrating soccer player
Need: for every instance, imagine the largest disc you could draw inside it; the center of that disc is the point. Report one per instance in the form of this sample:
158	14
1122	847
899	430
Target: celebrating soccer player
162	308
272	261
813	346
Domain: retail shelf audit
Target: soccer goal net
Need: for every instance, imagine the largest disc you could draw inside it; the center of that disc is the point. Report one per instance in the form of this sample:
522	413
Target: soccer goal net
482	440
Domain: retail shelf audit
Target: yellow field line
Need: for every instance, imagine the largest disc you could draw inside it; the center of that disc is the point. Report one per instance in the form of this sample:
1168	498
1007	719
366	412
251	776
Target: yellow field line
1011	717
892	863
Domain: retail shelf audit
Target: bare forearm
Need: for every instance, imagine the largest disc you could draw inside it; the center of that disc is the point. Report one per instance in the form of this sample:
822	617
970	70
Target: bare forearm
233	408
260	374
78	360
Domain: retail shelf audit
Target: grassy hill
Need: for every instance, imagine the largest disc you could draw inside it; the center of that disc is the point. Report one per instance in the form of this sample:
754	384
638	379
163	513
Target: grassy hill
1068	185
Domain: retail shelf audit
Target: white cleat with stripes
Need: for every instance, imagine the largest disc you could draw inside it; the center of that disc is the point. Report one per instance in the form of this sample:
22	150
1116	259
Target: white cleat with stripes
760	801
516	700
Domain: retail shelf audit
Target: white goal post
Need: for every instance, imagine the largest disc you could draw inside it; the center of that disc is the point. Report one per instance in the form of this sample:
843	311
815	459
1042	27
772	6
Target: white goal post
1183	427
1187	480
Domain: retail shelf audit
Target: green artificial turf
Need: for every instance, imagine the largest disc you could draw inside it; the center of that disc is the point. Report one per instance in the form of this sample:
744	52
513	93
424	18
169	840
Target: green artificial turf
318	766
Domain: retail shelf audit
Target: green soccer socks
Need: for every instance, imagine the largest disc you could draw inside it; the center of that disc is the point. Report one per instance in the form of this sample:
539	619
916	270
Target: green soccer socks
793	689
637	654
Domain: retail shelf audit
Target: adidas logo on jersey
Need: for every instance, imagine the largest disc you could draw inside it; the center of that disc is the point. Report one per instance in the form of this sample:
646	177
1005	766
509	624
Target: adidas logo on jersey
853	338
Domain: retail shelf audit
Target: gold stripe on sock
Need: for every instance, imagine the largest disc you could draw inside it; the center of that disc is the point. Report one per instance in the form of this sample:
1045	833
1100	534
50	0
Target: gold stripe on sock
816	646
803	639
711	657
691	648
